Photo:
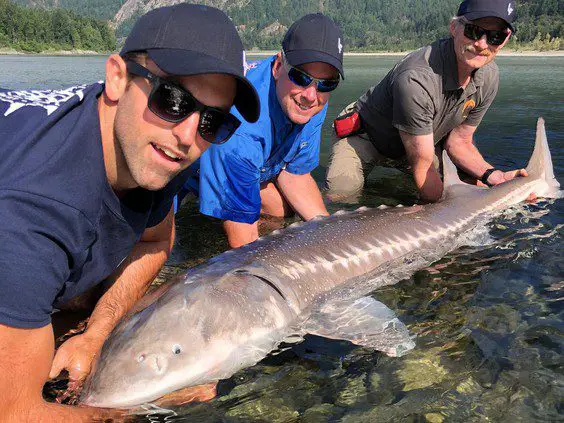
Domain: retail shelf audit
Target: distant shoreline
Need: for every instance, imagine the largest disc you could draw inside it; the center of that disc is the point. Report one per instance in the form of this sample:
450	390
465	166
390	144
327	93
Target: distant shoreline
506	53
11	52
509	53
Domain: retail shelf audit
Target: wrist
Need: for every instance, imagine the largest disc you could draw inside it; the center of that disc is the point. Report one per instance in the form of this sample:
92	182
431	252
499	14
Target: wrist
485	178
95	336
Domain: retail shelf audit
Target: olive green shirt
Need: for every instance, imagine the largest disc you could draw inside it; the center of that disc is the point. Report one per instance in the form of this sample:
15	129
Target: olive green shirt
421	96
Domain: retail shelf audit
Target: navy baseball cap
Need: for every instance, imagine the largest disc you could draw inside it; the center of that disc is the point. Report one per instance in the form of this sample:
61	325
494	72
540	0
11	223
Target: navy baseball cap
476	9
314	38
189	39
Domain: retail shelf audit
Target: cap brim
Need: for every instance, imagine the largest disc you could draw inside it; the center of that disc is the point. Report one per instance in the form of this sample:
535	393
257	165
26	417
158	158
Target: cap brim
300	57
472	16
185	63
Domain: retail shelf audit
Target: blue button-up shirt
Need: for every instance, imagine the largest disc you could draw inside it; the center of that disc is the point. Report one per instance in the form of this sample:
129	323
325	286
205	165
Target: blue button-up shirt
230	174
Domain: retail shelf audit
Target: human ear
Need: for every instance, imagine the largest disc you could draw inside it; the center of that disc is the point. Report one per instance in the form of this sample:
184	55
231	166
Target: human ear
277	66
116	77
506	39
453	27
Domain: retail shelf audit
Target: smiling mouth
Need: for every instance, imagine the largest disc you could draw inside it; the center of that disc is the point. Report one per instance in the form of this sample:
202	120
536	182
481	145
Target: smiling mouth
167	153
302	107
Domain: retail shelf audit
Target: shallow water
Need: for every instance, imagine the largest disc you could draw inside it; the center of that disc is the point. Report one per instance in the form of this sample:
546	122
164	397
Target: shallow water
488	317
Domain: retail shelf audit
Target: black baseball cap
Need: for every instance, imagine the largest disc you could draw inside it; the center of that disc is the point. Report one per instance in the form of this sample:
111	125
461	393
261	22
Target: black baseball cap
314	38
190	39
476	9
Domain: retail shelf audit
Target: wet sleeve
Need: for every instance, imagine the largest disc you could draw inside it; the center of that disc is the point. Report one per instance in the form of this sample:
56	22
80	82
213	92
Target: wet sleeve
489	92
230	179
307	154
41	242
413	106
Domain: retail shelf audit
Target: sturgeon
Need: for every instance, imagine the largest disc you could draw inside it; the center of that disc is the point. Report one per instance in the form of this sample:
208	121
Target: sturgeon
230	312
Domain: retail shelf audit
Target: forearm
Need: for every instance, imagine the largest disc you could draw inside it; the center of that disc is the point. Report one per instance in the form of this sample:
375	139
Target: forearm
132	280
428	181
51	412
302	193
420	152
466	156
239	234
25	358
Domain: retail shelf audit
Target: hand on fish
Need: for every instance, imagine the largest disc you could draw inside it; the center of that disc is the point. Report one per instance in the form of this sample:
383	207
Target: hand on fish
200	393
499	177
75	355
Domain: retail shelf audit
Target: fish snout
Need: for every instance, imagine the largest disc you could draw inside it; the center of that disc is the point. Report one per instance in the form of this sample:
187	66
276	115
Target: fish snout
155	362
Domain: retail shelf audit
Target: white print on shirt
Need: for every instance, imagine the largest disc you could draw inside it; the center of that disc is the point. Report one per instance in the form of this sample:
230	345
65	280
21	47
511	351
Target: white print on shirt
50	100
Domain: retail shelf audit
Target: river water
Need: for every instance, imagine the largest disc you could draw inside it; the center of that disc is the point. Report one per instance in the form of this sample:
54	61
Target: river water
488	318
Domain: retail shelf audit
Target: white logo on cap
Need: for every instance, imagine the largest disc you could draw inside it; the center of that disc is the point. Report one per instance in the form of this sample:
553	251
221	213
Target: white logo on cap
509	9
339	45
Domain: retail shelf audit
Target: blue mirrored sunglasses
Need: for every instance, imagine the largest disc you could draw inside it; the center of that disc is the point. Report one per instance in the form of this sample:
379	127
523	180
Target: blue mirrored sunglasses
303	79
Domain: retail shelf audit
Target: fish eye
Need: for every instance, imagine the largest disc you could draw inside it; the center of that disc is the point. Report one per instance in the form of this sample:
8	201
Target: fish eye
141	358
176	349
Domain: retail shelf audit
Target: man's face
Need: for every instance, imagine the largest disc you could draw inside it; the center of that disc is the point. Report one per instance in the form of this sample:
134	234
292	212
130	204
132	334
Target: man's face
472	54
300	104
150	151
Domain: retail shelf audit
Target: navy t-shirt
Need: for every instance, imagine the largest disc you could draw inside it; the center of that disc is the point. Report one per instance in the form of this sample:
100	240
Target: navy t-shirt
62	228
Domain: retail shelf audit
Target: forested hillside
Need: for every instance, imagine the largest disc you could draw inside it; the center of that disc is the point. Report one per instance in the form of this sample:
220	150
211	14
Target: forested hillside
36	30
367	25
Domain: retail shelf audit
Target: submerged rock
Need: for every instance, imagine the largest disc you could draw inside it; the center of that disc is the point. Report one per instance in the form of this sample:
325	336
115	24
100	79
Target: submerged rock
421	370
320	413
353	392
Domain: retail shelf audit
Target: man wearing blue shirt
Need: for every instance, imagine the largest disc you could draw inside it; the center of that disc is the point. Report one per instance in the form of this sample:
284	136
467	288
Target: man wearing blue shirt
265	167
87	180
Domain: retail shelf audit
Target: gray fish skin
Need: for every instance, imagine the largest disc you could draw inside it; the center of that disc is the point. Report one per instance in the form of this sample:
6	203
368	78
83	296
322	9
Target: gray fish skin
230	312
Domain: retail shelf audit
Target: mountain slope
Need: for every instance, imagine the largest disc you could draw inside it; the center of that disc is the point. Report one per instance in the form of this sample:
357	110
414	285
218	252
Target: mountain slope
369	24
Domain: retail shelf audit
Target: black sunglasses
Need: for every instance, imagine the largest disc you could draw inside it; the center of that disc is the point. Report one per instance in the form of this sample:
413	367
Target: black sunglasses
494	37
172	103
303	79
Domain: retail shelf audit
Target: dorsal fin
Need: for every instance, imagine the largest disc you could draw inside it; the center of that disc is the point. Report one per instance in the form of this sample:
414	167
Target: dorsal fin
452	185
450	173
540	163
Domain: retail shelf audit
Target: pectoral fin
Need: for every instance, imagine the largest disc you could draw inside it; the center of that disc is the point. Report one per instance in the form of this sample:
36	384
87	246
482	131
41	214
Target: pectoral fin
365	322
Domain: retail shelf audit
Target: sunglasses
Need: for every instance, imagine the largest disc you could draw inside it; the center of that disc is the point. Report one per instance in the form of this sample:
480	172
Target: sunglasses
172	103
494	37
303	79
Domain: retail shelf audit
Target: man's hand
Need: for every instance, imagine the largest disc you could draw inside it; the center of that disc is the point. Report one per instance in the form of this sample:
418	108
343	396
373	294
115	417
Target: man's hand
76	355
499	177
183	396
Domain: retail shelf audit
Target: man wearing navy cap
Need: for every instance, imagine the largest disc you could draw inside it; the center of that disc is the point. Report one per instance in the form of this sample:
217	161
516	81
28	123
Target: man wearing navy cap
87	182
265	167
437	94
